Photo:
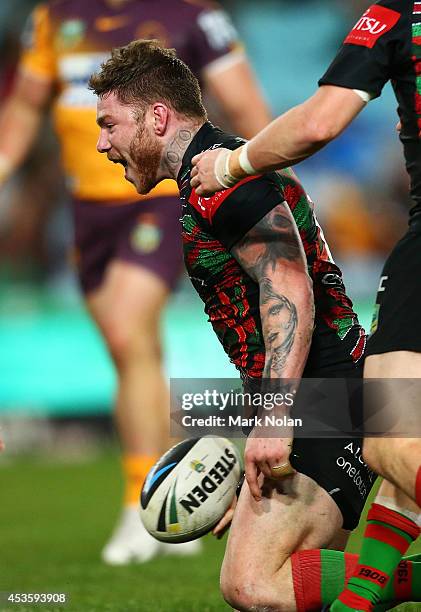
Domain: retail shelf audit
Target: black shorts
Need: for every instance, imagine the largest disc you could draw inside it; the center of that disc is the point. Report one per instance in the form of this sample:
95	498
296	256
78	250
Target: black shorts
336	463
396	324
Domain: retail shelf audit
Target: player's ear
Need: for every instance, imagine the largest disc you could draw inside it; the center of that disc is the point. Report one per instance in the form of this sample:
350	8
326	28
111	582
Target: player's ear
160	118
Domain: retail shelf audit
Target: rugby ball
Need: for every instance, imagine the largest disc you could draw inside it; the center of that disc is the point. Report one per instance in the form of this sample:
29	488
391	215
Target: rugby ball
190	488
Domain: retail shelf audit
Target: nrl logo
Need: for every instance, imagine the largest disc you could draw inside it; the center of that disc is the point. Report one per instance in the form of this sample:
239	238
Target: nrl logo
197	466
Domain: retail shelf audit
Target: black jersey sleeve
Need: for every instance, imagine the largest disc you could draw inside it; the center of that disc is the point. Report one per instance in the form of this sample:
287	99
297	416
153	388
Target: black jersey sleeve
235	211
374	50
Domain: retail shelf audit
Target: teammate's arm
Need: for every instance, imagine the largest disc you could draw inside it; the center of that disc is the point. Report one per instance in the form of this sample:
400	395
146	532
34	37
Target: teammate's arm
304	129
290	138
233	84
272	254
20	120
362	66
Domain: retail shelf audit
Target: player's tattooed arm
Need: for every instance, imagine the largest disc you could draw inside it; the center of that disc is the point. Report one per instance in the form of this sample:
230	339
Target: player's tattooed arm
273	238
279	327
272	254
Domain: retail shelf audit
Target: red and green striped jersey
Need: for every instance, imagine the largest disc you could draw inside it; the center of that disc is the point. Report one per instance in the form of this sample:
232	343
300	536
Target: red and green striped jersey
212	226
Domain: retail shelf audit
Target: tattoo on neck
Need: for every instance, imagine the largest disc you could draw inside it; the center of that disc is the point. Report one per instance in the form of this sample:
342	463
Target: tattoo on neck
178	146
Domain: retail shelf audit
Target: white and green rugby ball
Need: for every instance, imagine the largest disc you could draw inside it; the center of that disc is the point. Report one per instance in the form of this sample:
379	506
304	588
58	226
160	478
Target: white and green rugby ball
190	488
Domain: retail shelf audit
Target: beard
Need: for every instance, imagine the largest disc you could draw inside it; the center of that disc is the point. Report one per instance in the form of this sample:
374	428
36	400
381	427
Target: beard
146	153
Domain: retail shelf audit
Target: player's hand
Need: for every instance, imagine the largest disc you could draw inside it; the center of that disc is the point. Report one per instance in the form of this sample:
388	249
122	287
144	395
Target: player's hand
267	455
203	178
225	521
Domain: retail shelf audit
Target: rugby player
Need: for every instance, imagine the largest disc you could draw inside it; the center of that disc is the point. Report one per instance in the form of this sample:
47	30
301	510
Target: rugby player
127	247
384	44
277	303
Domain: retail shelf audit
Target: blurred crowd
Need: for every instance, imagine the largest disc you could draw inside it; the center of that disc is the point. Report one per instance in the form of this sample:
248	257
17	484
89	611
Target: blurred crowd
359	183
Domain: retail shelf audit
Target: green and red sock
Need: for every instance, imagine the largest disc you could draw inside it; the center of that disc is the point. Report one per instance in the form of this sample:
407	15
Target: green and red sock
387	537
319	576
406	582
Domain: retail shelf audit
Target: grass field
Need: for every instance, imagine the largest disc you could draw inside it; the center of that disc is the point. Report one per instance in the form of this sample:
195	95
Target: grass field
54	518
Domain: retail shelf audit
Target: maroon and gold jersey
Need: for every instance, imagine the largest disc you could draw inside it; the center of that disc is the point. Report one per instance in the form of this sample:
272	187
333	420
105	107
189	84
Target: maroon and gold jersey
385	44
212	226
67	40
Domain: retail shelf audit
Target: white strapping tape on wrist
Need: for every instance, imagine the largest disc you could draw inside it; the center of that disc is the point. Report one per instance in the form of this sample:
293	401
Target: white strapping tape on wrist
244	161
222	173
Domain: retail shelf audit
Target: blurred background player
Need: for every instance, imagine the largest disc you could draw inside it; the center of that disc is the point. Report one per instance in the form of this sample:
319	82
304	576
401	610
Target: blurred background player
127	248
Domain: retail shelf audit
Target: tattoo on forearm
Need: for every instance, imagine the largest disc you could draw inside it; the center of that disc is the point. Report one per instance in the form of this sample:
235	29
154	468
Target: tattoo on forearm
177	147
279	322
273	242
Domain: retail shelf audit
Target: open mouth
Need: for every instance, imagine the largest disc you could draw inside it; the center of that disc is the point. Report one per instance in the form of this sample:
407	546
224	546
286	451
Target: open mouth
121	161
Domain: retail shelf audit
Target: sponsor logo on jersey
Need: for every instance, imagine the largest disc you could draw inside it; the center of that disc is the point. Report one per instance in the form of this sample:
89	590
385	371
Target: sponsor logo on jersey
74	70
147	236
77	96
78	67
376	21
362	477
71	33
202	205
207	207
